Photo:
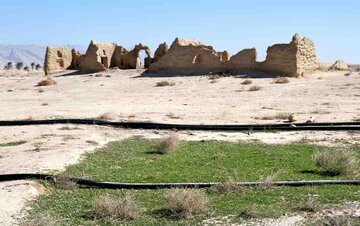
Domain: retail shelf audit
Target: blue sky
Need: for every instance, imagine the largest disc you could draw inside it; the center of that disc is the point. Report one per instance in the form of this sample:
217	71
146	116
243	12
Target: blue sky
226	24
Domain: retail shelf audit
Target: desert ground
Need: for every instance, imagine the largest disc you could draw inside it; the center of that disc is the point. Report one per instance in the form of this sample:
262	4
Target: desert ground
133	96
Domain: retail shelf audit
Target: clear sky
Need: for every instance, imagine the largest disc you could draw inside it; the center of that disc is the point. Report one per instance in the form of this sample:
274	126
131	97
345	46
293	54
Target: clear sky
226	24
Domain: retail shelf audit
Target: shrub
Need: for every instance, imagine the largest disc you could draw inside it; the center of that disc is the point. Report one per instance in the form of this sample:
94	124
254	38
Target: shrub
65	183
226	186
47	82
164	83
214	77
311	204
281	80
187	203
336	161
107	116
168	144
254	88
111	208
247	82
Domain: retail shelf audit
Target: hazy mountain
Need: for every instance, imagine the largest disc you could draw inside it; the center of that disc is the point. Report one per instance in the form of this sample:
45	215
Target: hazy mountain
27	53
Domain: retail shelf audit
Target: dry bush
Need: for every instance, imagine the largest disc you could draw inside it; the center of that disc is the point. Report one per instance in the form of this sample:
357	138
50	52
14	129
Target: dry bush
250	213
281	80
47	82
226	186
254	88
112	209
172	116
42	219
278	116
65	183
106	116
311	204
187	203
214	77
336	161
164	83
247	82
168	144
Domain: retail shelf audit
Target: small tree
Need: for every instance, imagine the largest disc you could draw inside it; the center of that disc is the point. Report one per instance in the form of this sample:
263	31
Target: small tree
26	68
8	66
19	65
38	66
32	65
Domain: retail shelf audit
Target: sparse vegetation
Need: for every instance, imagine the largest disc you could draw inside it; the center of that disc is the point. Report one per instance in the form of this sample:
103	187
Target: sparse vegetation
164	83
168	144
209	161
247	82
281	80
37	66
113	209
254	88
47	82
341	161
187	203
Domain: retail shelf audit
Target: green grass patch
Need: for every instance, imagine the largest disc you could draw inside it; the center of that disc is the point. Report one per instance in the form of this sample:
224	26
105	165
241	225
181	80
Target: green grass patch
15	143
136	161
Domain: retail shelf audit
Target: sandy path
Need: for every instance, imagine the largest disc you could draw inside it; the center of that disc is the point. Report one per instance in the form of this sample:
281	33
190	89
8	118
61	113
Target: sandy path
334	97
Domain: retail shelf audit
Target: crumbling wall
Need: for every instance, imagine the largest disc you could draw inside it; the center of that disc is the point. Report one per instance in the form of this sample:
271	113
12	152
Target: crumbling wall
160	51
98	56
57	59
245	60
295	59
307	61
280	58
75	62
188	56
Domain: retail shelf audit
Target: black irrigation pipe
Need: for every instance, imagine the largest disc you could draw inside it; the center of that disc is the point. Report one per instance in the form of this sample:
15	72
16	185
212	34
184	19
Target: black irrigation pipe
326	126
151	186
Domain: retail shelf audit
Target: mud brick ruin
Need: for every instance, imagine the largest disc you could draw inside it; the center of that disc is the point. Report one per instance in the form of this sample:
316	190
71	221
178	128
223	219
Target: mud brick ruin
187	57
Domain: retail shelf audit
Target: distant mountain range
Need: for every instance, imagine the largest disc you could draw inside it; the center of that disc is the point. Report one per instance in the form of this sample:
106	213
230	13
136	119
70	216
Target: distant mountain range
28	53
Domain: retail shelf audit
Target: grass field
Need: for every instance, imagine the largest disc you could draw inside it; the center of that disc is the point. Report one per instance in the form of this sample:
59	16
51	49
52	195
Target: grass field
212	161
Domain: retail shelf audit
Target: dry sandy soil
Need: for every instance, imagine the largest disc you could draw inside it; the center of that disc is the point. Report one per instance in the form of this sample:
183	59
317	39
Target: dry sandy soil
123	95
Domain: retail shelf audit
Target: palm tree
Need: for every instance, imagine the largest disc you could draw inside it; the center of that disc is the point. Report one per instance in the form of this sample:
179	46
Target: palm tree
32	65
8	66
19	65
38	66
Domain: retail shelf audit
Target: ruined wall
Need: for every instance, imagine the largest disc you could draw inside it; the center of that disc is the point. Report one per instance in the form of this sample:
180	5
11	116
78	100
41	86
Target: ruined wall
307	61
280	58
98	56
75	62
245	60
160	51
118	58
57	59
295	59
187	56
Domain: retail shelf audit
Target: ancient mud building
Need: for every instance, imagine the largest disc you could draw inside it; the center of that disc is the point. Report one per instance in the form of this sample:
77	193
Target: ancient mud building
57	59
192	57
187	57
